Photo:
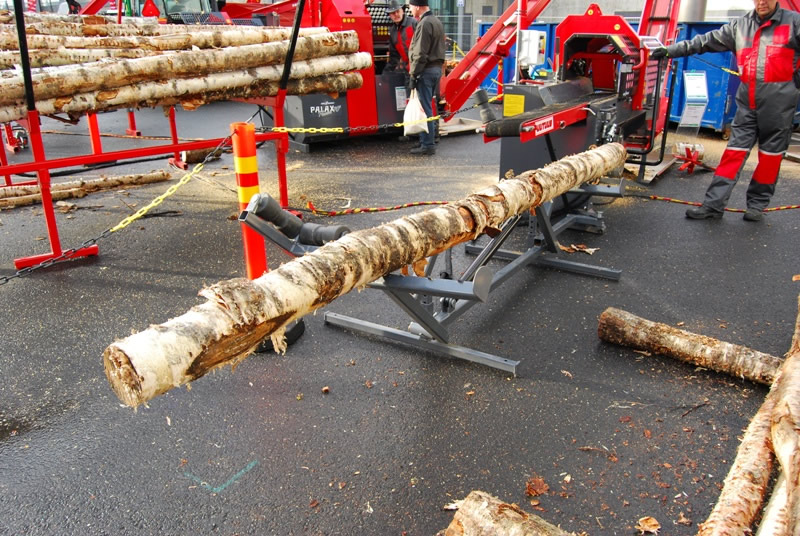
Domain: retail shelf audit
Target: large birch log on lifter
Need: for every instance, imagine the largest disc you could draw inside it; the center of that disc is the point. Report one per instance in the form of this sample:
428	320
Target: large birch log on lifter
239	313
481	514
76	79
621	327
306	77
234	37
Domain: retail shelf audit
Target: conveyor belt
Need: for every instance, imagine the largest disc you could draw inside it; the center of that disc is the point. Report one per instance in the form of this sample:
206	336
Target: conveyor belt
510	126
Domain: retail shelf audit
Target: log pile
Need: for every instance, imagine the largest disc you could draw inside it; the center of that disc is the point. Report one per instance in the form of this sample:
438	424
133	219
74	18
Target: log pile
87	64
239	313
773	433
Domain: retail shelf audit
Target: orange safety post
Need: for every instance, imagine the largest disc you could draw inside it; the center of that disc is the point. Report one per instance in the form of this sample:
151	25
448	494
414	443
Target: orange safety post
245	164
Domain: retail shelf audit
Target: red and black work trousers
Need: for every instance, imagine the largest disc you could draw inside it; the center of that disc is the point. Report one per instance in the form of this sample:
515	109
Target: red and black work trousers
770	125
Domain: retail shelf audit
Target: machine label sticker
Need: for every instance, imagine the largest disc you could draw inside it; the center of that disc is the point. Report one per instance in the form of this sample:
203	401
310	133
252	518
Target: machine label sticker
543	125
325	109
400	97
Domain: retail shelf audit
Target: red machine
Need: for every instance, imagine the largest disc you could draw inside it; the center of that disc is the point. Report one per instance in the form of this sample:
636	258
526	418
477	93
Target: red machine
606	89
599	43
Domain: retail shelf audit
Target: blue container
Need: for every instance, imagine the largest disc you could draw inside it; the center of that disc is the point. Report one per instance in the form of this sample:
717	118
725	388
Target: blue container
510	62
722	86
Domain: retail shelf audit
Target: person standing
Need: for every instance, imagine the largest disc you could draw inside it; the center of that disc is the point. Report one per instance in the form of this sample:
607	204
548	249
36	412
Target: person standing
427	60
401	33
767	45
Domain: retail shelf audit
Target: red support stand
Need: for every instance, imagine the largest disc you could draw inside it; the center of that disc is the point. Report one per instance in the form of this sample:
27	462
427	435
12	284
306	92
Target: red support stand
42	166
132	130
94	133
173	130
47	203
4	163
11	142
282	147
245	164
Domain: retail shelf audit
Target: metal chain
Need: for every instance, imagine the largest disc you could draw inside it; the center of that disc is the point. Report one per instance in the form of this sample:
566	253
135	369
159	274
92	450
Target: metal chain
49	262
372	128
128	220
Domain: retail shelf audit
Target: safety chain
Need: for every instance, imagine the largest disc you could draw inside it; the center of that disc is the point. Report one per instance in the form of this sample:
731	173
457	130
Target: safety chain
371	128
696	204
128	220
49	262
364	210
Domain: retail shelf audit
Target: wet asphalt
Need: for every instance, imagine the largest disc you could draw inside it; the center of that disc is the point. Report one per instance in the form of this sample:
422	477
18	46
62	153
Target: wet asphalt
616	435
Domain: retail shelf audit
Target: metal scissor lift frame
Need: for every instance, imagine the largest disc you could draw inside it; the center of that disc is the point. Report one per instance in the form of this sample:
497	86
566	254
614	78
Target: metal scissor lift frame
417	296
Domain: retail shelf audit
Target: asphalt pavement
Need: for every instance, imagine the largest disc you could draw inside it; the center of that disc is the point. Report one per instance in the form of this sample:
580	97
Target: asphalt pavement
616	435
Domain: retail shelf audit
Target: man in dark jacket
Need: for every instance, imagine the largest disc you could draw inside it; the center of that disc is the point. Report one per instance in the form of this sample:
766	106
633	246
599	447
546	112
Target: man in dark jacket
400	34
427	61
767	45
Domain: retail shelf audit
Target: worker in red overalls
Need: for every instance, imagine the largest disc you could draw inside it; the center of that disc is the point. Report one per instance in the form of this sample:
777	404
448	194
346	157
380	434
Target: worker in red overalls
767	45
400	34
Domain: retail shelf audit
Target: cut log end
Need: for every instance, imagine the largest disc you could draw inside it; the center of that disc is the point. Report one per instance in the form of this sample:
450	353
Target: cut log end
122	376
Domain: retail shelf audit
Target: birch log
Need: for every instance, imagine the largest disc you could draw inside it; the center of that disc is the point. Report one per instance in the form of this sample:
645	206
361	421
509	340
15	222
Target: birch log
481	514
745	486
76	29
785	429
9	193
621	327
774	427
49	57
239	313
329	83
71	80
237	36
306	77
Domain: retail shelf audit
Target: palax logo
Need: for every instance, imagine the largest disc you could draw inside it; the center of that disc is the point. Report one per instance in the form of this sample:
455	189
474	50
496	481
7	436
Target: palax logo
325	108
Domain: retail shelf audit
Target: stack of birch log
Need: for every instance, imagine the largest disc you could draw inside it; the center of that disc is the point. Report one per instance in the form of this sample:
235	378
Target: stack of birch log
91	63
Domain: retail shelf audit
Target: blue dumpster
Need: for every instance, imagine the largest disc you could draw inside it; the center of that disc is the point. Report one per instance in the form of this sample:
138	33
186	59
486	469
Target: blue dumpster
722	85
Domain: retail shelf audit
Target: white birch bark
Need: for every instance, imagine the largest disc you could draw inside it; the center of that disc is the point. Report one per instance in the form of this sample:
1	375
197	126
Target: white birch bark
105	29
239	313
481	514
786	430
236	36
218	86
50	58
87	185
71	80
621	327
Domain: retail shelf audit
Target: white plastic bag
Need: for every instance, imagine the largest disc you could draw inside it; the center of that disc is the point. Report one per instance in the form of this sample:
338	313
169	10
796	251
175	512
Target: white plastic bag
412	114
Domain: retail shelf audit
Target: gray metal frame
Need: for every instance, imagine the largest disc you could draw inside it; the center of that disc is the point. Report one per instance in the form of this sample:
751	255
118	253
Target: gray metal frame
417	296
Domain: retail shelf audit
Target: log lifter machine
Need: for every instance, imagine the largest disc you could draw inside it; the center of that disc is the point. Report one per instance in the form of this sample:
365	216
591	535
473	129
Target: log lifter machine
606	90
